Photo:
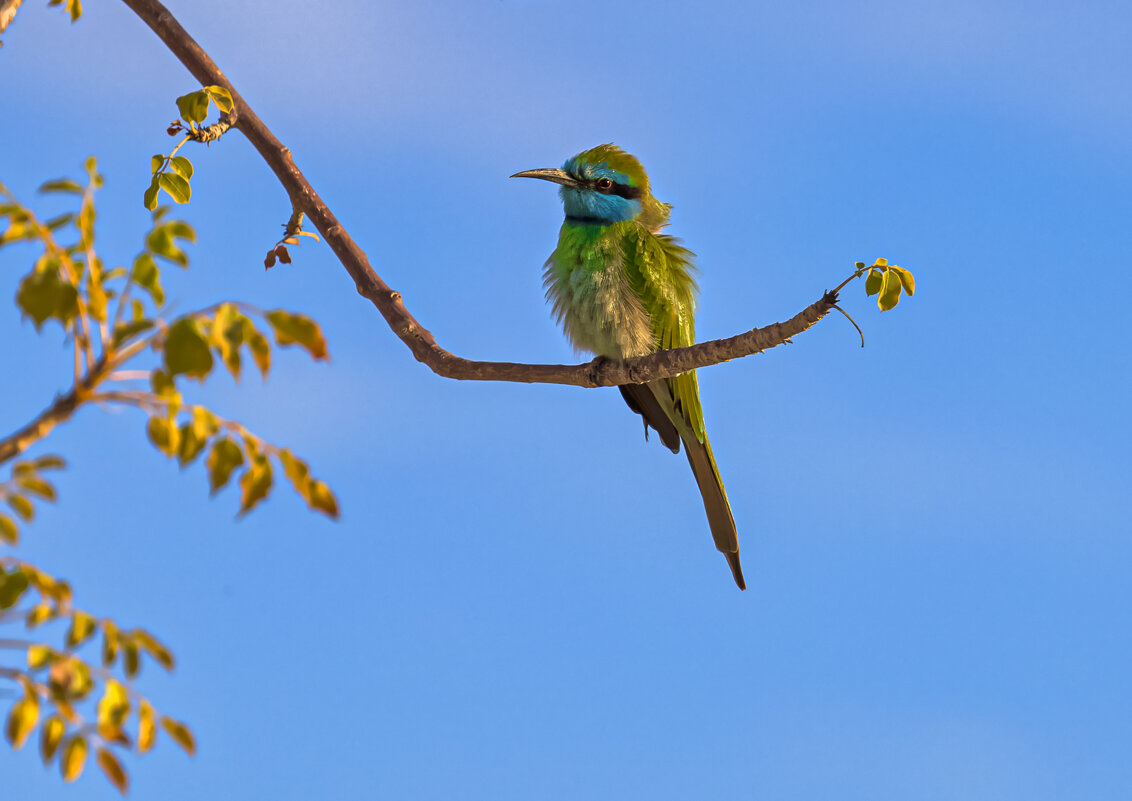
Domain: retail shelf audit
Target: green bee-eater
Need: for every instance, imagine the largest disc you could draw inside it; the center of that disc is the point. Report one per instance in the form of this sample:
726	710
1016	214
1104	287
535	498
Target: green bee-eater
620	288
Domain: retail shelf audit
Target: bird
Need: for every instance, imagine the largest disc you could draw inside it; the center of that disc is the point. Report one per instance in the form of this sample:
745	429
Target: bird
621	288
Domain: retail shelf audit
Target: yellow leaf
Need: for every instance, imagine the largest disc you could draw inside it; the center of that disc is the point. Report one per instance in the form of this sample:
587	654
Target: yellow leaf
889	291
38	615
151	646
114	706
39	655
113	770
74	758
109	642
82	626
50	736
292	329
21	720
147	731
906	279
322	499
9	532
180	733
255	484
224	457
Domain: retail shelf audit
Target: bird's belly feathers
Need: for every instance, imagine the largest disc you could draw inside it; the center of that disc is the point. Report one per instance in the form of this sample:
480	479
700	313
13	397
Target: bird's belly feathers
591	297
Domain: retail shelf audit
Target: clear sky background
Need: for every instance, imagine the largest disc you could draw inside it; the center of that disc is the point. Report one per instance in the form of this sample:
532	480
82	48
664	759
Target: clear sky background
522	599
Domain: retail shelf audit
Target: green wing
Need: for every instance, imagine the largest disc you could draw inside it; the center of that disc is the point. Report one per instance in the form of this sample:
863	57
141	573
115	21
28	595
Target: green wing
661	273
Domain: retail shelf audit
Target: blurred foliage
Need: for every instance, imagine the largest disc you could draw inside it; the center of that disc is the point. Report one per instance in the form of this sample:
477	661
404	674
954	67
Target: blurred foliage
75	679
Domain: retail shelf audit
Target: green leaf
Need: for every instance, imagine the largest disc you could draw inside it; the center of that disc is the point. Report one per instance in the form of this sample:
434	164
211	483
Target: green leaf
109	642
889	291
62	185
906	280
182	166
164	435
149	199
291	329
160	241
186	350
255	484
193	106
180	734
156	162
22	506
72	761
12	587
113	770
49	462
224	457
50	735
873	281
227	335
9	531
179	229
191	445
260	348
176	186
43	295
57	222
125	331
162	385
880	263
147	275
221	97
131	662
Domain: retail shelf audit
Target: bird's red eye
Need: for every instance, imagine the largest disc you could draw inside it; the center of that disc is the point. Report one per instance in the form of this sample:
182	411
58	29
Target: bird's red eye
604	183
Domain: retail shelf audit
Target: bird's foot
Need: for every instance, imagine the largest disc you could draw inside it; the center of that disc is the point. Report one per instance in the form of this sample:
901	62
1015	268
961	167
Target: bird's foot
598	366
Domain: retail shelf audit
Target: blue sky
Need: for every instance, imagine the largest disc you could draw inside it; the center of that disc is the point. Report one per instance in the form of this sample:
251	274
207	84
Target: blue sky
522	599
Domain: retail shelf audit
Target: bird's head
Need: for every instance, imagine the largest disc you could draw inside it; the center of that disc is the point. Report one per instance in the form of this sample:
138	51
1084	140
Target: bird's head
604	185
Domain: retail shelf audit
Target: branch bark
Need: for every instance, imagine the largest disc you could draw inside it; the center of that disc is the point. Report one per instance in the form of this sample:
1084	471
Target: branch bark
599	372
58	412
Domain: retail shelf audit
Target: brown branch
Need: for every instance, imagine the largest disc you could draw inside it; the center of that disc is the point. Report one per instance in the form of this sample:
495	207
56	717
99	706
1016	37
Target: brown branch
600	372
58	412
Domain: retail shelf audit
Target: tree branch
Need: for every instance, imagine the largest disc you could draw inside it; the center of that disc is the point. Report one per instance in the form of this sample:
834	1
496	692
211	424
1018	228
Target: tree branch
600	372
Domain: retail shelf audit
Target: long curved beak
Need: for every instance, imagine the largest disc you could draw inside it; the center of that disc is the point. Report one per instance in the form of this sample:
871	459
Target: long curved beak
550	174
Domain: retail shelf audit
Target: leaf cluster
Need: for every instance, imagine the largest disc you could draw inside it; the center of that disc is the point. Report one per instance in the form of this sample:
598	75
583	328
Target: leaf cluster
172	173
20	492
886	281
77	703
121	332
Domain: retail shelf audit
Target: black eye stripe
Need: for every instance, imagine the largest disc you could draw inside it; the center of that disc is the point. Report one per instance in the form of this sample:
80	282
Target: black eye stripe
621	190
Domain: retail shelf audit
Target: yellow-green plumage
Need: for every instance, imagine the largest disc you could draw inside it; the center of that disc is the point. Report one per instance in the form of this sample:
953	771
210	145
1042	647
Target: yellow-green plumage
620	288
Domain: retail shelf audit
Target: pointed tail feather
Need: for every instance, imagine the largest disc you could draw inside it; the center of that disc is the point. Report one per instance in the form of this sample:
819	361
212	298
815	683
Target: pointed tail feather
718	510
